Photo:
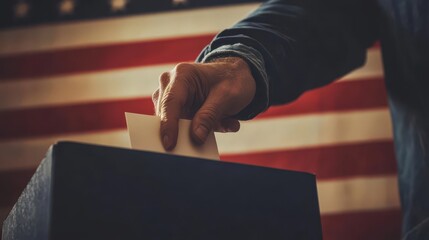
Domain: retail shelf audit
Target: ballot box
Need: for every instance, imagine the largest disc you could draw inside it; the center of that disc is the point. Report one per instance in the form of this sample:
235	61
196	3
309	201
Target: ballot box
83	191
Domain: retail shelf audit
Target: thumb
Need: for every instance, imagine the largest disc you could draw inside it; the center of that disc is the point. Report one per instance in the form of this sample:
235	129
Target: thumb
205	120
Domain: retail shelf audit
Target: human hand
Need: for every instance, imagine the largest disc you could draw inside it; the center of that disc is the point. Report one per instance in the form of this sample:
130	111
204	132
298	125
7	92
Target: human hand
208	93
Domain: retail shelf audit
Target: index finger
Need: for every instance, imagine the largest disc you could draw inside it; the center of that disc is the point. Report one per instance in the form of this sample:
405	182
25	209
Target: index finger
171	104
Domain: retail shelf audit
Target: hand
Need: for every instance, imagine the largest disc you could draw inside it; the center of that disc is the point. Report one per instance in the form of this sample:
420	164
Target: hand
208	93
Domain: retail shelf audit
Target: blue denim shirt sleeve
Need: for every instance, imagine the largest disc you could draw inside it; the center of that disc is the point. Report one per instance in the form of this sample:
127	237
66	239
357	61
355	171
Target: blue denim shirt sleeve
303	44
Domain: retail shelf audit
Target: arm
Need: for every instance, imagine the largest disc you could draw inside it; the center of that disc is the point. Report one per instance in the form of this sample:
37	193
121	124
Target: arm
304	44
271	57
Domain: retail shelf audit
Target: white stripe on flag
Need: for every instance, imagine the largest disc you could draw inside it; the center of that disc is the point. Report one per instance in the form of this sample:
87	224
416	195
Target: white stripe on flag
307	131
124	29
295	132
97	86
114	84
358	194
28	153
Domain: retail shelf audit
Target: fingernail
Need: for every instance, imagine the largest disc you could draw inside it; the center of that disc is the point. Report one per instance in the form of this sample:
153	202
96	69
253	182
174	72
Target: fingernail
165	141
201	133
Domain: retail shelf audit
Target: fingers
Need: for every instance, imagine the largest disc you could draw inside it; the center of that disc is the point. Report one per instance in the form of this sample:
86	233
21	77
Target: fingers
169	101
208	93
164	80
204	122
208	117
170	109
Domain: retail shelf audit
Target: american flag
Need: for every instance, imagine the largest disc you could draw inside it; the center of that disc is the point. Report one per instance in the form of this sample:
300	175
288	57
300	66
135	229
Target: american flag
69	69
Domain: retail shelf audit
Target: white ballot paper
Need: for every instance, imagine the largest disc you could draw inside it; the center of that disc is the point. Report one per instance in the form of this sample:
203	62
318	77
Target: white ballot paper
144	135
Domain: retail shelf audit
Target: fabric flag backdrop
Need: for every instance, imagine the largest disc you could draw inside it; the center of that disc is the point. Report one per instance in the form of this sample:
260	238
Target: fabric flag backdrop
69	69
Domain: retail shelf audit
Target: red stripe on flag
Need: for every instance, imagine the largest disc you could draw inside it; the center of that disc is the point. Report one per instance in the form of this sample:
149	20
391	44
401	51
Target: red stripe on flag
107	115
96	58
368	225
103	57
360	159
370	93
70	118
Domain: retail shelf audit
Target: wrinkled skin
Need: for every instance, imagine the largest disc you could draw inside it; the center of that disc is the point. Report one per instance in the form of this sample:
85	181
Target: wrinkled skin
208	93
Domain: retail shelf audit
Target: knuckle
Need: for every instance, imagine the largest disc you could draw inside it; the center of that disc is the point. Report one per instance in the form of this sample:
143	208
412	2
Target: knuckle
168	101
164	79
165	104
172	98
167	98
183	67
186	74
208	117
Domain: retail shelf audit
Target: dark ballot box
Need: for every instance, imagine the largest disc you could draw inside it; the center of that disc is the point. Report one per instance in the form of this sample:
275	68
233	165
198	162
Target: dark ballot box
83	191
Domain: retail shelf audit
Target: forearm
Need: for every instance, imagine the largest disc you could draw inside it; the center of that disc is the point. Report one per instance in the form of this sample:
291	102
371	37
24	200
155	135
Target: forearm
303	44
